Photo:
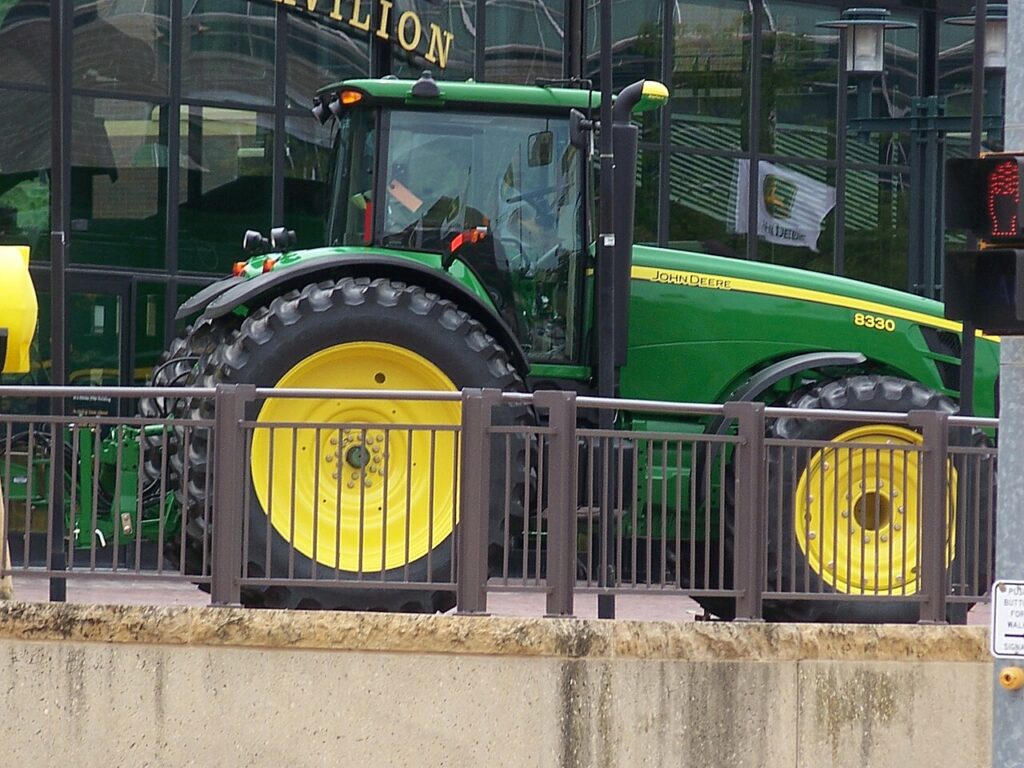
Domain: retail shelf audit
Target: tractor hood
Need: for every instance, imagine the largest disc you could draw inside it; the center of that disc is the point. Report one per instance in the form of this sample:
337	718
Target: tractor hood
699	270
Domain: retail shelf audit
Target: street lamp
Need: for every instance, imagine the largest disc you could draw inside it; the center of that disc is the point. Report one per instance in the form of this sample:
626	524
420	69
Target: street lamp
995	33
865	37
862	35
994	58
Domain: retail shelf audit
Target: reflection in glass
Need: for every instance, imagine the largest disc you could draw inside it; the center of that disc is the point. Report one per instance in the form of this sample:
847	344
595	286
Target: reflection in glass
227	162
24	171
94	339
636	41
228	51
524	41
445	43
25	41
120	46
799	78
150	299
711	75
306	168
319	55
702	205
118	183
877	221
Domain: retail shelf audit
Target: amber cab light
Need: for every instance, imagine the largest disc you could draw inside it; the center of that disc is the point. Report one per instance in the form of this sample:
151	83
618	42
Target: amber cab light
238	268
268	264
350	97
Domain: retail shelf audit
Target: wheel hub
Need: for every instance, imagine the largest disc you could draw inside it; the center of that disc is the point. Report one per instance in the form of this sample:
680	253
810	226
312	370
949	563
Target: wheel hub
368	494
857	516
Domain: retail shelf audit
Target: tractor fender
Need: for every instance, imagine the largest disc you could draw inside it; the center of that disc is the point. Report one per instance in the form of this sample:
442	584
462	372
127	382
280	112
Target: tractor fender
766	378
198	302
261	289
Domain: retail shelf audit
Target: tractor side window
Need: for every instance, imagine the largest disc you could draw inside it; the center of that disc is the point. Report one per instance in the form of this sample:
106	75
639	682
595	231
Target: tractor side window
502	195
351	219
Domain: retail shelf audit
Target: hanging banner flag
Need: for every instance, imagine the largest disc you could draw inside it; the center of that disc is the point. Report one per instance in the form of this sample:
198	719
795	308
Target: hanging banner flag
791	206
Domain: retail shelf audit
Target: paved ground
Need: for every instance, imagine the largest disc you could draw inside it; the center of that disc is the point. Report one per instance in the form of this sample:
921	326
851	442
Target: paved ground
130	591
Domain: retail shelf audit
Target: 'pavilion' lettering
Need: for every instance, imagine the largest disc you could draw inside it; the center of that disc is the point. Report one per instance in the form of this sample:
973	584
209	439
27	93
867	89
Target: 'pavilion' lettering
408	33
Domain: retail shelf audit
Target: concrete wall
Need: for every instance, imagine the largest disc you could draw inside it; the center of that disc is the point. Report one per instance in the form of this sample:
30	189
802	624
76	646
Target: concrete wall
112	686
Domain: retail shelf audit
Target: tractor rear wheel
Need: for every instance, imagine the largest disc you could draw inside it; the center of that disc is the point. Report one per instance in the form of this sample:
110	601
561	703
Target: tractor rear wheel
848	520
375	497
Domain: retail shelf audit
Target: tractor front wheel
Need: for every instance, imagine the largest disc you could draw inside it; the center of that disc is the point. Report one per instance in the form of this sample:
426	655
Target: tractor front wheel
374	497
848	520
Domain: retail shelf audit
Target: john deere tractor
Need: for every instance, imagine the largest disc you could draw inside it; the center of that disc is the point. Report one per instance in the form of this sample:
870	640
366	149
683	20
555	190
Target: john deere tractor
460	252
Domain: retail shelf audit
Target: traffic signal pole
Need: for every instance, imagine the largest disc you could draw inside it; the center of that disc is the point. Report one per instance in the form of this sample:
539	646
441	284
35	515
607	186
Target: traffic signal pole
1008	705
606	314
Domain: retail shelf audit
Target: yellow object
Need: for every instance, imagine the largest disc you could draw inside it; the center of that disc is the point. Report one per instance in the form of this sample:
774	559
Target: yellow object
362	496
857	512
1011	678
652	95
19	310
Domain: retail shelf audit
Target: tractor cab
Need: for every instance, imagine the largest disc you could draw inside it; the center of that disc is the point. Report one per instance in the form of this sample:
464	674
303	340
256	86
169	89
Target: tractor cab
501	192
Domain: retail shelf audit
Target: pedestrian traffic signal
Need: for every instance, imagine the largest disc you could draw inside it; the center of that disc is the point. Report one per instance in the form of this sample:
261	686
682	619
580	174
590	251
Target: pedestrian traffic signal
986	286
984	196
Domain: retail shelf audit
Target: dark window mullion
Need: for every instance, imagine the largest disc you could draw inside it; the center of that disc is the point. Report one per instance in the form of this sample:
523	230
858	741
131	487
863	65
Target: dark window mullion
280	131
173	118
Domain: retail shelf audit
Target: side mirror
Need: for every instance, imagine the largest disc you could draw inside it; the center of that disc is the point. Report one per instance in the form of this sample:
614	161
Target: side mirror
580	130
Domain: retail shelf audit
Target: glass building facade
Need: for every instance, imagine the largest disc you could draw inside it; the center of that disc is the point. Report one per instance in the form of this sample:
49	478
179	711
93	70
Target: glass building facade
186	122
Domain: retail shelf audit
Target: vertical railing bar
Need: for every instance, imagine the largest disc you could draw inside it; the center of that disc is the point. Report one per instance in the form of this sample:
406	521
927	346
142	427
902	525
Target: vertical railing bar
506	550
431	491
314	570
55	466
362	512
694	514
410	441
293	434
118	479
161	531
749	542
230	401
542	475
935	450
561	550
247	498
339	492
73	522
471	576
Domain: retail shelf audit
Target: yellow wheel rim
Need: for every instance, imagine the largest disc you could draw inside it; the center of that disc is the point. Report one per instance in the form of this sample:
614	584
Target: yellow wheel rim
365	497
857	512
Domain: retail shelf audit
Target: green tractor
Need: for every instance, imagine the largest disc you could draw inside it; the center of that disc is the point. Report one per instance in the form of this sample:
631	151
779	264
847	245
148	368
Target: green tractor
460	252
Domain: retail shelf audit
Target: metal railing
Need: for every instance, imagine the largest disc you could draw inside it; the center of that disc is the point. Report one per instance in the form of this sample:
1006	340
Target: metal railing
426	500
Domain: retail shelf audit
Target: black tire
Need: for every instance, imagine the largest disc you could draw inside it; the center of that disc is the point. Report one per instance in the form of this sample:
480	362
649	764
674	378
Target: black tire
789	569
181	365
298	325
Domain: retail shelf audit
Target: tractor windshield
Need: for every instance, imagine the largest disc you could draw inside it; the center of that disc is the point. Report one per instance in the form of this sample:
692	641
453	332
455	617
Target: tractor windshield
500	193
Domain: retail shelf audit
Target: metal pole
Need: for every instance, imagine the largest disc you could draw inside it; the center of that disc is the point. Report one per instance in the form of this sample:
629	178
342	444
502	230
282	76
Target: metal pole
977	109
605	310
60	214
1008	706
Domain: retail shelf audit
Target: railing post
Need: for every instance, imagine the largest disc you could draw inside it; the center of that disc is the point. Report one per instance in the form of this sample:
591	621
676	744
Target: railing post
474	500
749	529
934	477
228	494
561	497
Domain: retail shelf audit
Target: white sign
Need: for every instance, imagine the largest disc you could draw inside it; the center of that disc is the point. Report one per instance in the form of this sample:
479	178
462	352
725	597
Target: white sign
791	206
1007	633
